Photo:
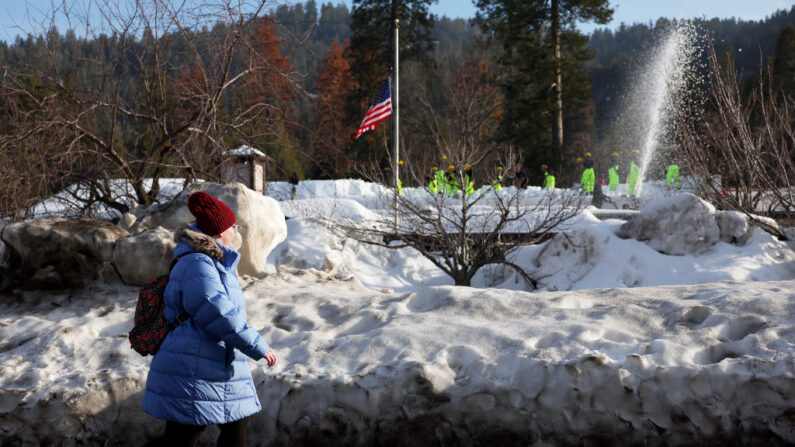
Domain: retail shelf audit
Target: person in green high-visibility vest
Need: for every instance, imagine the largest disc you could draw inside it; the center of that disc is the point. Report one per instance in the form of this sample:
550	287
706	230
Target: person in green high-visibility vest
549	179
588	179
469	186
634	173
612	173
451	182
437	182
400	182
672	174
439	179
497	182
433	186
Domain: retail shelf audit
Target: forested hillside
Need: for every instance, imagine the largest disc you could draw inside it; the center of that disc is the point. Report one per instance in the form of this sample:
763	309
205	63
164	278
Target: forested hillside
295	82
616	53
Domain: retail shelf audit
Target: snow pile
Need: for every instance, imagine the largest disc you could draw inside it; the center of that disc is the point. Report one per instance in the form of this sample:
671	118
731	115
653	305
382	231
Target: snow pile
676	225
439	366
595	257
309	246
587	254
367	193
339	208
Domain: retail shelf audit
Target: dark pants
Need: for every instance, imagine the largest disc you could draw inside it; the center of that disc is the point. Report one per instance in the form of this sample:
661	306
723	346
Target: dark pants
233	434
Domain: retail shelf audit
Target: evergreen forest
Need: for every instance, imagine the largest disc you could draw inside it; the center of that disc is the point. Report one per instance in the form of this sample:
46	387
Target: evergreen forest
154	100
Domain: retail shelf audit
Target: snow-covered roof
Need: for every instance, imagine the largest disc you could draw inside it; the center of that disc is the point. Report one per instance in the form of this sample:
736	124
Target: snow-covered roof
246	151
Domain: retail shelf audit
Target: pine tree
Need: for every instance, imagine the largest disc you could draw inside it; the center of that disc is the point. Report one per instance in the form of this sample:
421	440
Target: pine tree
372	23
542	56
784	63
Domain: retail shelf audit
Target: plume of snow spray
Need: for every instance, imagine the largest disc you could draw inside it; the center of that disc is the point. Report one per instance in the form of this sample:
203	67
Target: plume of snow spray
669	71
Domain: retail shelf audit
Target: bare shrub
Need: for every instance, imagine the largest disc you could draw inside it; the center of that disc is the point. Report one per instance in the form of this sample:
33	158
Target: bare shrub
746	140
145	95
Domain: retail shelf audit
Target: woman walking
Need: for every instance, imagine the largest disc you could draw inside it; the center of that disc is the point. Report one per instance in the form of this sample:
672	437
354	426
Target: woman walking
200	376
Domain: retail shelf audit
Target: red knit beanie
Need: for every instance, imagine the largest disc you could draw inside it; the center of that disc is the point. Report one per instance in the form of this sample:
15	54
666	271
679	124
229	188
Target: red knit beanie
212	216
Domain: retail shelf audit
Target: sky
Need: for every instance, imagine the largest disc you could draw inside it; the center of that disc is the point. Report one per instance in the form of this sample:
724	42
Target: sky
14	17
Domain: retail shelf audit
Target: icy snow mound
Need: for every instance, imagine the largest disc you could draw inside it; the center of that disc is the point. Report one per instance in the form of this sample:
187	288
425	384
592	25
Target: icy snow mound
309	245
593	256
587	253
684	224
442	366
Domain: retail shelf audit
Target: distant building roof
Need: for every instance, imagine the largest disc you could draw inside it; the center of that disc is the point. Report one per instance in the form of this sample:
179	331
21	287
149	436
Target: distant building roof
245	151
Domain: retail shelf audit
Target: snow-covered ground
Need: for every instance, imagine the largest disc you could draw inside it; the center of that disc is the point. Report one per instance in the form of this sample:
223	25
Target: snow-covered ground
597	256
623	345
439	366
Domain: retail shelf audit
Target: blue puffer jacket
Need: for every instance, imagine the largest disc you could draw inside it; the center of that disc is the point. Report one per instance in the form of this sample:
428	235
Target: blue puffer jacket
200	376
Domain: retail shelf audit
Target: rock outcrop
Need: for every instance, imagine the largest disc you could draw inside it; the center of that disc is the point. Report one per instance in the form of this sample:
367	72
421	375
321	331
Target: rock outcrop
63	252
685	224
260	220
144	256
69	253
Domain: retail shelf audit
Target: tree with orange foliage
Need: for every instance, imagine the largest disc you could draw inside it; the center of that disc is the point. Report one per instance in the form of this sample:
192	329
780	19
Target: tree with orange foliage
334	84
267	92
267	98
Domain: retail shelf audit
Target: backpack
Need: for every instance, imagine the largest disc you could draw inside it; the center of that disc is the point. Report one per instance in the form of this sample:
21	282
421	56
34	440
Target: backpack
149	324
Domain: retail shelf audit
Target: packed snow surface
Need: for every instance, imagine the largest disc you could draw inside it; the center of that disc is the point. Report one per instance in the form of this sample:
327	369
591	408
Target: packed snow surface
620	344
447	365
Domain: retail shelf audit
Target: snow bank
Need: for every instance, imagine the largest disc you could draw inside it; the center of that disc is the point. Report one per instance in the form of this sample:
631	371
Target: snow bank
366	193
314	208
593	256
711	363
309	246
588	255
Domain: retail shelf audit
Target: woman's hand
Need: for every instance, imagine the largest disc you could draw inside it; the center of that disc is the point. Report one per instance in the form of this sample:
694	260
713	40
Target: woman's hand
270	357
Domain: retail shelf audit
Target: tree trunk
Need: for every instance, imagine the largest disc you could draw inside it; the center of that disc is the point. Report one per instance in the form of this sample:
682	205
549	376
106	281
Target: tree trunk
558	127
462	277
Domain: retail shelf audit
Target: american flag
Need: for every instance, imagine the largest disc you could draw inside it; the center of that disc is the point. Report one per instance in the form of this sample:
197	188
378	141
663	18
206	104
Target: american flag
379	111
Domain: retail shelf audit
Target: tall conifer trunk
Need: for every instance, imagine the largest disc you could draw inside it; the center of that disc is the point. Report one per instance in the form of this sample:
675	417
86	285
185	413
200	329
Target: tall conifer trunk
557	136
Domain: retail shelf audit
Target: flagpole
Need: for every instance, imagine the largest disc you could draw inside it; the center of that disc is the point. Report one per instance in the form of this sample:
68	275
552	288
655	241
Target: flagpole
395	102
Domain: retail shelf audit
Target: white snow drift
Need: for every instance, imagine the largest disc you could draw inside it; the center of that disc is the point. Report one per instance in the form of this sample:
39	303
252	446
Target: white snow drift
440	366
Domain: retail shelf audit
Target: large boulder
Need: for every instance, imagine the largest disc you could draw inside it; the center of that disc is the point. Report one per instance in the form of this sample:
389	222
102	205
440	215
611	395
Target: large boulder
676	225
62	252
144	256
260	219
684	224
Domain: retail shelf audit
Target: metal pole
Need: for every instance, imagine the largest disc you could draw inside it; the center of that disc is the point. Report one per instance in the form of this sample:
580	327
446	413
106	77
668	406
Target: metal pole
396	113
